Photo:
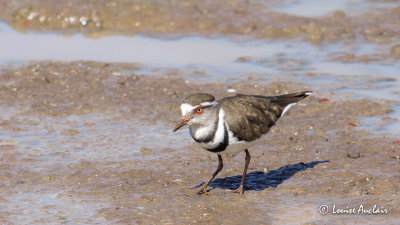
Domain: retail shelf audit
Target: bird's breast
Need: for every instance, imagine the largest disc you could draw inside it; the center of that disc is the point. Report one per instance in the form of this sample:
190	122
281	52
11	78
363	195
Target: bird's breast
212	138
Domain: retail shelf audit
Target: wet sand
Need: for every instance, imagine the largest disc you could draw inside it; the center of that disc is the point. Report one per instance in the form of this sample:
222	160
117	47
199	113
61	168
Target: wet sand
254	19
82	145
86	142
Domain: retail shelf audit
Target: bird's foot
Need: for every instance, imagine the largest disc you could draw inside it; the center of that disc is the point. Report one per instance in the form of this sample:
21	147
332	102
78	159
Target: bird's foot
239	190
202	191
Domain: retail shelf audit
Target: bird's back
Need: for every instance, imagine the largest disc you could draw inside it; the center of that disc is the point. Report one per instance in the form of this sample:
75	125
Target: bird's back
251	116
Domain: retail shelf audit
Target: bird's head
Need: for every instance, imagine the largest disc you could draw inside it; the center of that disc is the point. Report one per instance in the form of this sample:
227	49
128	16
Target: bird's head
198	109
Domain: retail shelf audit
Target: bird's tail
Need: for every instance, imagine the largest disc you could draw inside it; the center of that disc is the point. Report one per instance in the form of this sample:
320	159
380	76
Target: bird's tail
288	100
284	100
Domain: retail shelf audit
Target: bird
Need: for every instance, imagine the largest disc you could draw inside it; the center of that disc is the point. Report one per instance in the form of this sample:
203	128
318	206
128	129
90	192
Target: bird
232	124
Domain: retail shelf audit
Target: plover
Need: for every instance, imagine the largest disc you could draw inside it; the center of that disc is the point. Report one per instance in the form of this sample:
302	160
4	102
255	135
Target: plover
233	124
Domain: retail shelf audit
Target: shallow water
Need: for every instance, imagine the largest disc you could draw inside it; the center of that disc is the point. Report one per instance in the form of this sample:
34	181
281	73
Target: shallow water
44	207
310	8
218	55
98	136
219	59
47	145
380	125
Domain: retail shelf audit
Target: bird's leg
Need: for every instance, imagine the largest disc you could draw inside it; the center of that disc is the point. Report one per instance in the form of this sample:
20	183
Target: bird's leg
219	168
246	165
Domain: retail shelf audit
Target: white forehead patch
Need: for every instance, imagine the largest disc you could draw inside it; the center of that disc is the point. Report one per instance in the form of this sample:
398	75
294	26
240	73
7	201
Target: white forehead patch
186	108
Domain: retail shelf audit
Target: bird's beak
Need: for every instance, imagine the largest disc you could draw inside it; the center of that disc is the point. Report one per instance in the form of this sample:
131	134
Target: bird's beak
181	123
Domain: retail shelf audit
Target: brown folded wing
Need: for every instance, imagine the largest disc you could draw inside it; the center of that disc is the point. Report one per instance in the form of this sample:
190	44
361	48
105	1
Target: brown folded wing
250	116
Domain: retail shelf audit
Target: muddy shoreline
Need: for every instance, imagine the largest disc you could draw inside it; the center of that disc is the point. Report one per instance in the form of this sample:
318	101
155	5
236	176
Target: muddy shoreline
86	126
89	142
253	19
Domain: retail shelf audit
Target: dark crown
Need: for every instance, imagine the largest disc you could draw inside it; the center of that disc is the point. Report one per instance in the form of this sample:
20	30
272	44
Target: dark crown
198	98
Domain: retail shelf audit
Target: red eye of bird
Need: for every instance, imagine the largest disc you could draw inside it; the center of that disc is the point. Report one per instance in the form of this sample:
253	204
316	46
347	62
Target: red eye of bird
199	110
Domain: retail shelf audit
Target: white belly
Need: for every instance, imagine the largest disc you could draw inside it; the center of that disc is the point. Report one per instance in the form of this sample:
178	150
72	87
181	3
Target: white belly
236	147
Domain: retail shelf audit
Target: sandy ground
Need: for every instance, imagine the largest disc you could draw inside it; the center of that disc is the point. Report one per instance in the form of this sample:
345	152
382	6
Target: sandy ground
91	142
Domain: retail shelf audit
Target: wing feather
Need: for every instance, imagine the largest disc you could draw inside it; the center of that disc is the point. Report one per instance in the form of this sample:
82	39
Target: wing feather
250	116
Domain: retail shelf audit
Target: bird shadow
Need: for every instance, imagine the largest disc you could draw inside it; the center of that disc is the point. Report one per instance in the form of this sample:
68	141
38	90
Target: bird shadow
258	180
